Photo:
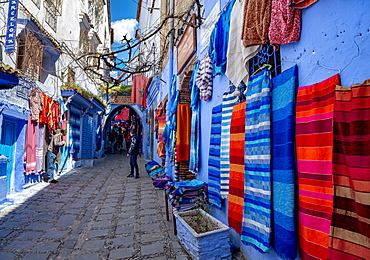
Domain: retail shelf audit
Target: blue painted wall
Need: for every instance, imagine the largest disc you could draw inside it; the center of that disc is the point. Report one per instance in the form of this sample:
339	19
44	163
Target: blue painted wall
336	35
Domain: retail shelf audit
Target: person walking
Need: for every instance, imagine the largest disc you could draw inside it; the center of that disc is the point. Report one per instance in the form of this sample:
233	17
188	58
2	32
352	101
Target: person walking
51	154
133	152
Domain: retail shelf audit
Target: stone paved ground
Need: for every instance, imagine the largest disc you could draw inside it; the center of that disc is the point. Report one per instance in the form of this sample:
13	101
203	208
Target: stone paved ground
91	213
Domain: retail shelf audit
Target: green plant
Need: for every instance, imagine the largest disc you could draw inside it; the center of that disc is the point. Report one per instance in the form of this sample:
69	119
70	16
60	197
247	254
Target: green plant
198	221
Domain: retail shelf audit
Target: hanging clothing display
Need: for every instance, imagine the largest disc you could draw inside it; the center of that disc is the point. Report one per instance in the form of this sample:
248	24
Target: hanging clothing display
350	231
214	178
228	101
237	54
285	25
222	35
40	136
284	91
194	132
256	22
236	182
183	133
256	229
36	104
314	147
301	4
30	146
204	78
125	113
46	109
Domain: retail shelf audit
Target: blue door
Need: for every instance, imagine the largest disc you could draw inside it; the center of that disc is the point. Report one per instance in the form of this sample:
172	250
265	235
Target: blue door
7	145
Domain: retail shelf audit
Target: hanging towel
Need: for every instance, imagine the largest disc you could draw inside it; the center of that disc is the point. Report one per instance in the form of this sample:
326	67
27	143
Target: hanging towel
228	101
256	22
285	25
350	229
301	4
30	149
237	55
214	177
236	182
194	132
257	185
284	90
183	133
204	78
40	136
36	104
314	145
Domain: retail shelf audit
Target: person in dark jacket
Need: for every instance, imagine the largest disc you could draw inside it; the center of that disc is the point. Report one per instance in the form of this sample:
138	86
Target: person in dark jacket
133	152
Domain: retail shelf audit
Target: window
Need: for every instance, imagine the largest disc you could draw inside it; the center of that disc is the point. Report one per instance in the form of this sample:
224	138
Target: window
29	55
37	3
53	9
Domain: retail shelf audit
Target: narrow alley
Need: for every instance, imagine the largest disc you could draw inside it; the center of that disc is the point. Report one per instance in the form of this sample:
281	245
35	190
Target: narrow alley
91	213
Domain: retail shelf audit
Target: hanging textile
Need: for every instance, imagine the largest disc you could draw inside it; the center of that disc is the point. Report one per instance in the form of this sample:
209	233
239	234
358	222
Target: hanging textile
183	133
222	35
40	137
36	104
204	78
161	149
256	22
194	132
285	25
125	113
350	229
228	101
153	90
301	4
236	182
284	90
237	54
30	146
314	146
46	109
214	178
257	180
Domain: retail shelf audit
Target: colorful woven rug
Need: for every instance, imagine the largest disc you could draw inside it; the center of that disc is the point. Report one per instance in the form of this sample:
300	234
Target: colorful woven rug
228	101
284	91
257	185
314	142
214	178
350	225
236	182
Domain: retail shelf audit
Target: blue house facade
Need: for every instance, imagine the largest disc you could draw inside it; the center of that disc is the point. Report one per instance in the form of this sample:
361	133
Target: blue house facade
333	40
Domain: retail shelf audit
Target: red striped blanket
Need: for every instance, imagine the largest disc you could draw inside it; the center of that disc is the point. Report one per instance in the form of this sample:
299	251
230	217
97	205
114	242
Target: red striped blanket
314	142
236	182
350	229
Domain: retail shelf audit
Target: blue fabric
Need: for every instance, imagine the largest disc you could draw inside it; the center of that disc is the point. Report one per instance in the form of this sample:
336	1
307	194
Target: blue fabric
214	176
284	90
169	132
217	70
194	128
222	35
256	228
153	91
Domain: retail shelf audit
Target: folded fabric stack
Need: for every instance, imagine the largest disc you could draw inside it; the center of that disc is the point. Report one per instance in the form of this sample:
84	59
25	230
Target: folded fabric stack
157	174
185	195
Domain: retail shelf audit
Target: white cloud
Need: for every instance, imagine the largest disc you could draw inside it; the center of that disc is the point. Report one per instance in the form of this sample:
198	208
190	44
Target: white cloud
124	27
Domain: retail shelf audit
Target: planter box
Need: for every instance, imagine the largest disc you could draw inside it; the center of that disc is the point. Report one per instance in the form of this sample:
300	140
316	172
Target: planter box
213	245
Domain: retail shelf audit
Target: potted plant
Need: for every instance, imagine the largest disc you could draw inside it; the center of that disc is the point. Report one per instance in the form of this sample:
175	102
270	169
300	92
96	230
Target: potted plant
202	235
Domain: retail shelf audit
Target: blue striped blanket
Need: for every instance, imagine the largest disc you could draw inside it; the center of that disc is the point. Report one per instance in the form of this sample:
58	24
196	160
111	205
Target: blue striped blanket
256	227
214	177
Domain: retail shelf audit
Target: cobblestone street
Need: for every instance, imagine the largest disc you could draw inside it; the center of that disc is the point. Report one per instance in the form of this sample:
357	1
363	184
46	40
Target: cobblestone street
91	213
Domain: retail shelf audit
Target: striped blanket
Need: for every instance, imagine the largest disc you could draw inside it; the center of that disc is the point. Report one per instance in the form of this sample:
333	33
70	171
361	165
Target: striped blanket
350	229
314	142
236	182
214	177
228	101
257	185
284	90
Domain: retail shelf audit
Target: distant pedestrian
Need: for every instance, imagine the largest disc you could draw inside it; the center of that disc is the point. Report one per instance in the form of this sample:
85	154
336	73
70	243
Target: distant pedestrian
52	153
133	152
